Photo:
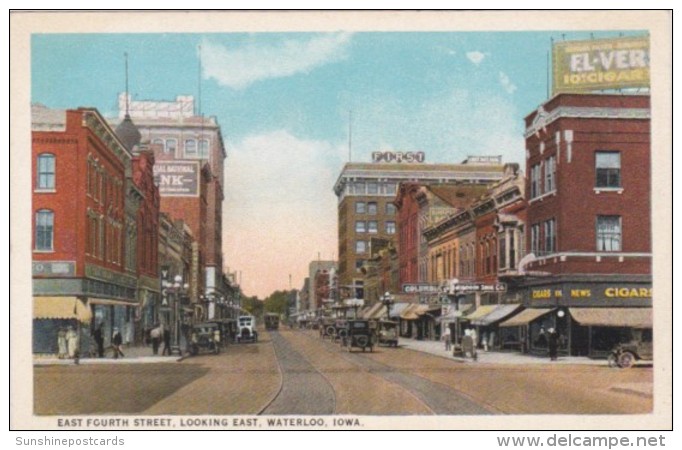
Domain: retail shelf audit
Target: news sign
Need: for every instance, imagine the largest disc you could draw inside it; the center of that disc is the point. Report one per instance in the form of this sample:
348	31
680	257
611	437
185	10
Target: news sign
599	64
177	178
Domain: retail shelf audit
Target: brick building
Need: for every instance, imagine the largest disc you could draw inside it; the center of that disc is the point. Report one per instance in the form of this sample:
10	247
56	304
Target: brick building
79	227
589	197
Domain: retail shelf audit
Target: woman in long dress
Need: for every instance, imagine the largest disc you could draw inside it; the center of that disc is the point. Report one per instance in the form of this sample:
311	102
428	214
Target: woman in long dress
72	340
61	343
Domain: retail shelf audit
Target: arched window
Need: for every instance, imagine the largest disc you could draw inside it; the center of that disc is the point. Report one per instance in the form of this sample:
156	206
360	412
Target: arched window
46	171
44	239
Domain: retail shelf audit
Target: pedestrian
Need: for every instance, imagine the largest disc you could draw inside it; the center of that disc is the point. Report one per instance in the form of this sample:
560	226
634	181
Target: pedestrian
468	347
553	342
166	341
474	337
542	338
99	339
72	344
116	341
156	338
61	343
447	337
484	338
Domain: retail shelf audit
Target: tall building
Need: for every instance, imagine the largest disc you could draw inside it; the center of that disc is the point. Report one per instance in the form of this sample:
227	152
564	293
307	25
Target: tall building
190	155
366	191
314	268
589	217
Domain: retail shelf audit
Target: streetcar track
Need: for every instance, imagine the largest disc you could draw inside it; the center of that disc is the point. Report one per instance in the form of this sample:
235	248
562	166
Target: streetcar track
418	386
291	392
279	389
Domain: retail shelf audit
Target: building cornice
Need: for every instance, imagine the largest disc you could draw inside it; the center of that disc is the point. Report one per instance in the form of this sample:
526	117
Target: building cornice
544	118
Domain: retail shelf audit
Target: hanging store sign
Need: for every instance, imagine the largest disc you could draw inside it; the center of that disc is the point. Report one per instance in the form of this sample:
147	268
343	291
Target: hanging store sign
177	178
420	288
480	287
598	64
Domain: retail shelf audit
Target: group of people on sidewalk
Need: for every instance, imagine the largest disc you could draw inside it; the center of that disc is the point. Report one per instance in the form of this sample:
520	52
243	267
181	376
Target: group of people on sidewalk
156	335
68	343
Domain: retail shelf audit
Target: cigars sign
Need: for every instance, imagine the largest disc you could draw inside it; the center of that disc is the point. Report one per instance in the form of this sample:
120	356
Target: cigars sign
177	178
583	66
398	157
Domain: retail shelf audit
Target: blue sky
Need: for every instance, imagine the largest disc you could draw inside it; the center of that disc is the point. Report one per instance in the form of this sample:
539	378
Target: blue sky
282	100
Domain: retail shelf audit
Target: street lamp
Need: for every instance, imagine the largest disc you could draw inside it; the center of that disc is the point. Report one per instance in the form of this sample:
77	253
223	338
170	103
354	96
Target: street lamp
176	290
387	301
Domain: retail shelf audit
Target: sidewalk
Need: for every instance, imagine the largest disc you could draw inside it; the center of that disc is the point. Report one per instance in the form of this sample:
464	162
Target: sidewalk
133	355
494	357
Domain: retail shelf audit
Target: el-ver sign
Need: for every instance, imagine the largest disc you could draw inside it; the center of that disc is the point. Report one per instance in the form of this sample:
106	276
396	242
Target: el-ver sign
600	64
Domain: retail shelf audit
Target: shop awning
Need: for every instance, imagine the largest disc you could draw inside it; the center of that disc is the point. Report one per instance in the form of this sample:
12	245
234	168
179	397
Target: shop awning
398	308
525	317
480	312
371	310
61	308
414	311
379	313
613	317
500	312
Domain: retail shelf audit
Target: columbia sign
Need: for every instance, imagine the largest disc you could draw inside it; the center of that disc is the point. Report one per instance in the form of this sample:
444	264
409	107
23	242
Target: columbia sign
398	157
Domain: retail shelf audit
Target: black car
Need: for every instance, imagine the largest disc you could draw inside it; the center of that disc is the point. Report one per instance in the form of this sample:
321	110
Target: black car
205	337
360	335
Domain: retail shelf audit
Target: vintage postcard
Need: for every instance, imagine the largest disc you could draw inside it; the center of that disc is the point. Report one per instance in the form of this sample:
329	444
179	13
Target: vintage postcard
341	220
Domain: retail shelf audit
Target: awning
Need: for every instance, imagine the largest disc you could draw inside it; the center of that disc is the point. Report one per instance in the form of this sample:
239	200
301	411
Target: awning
372	309
613	317
61	308
525	317
480	312
398	308
414	311
379	313
501	312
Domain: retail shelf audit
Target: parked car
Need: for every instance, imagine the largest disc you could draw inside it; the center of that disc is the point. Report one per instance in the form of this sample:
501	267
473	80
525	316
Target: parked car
205	338
387	333
246	329
359	335
638	348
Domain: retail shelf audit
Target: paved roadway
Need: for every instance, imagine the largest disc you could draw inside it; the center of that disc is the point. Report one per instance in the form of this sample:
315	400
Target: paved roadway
297	372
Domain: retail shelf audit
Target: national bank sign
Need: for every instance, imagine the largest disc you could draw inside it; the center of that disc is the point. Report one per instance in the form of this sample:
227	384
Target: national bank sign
398	157
177	178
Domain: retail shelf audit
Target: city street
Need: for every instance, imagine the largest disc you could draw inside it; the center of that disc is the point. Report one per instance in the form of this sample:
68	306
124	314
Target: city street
297	372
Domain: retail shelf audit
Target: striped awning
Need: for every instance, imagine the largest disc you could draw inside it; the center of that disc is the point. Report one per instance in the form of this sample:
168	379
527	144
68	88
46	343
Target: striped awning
500	312
480	312
525	317
61	308
613	317
370	312
414	311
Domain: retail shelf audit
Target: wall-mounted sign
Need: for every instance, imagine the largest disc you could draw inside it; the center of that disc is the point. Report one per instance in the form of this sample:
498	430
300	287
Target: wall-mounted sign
398	157
582	66
420	288
480	287
177	178
54	268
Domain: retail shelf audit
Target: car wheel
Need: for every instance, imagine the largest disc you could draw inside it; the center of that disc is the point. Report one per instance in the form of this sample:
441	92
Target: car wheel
626	360
612	360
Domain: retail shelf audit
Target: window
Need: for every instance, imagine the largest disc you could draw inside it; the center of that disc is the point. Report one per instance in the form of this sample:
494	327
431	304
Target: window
360	207
203	148
360	246
160	143
360	226
390	209
391	188
358	187
550	174
390	227
372	226
190	147
609	233
44	230
550	236
372	188
358	264
535	181
171	146
608	169
45	178
371	208
512	250
503	251
535	239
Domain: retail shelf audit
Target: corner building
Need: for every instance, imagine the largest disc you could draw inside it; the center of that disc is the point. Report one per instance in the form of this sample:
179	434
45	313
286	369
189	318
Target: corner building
589	228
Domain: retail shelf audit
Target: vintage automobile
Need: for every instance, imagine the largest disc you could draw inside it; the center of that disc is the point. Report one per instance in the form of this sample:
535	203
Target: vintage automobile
246	329
638	348
359	335
340	330
387	333
327	327
205	338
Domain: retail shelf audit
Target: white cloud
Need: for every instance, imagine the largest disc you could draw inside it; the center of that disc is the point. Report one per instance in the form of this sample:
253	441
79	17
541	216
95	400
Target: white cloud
280	208
242	66
475	57
506	83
